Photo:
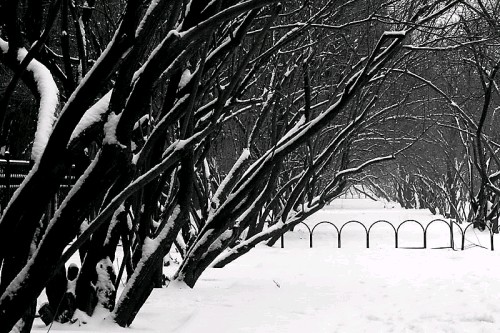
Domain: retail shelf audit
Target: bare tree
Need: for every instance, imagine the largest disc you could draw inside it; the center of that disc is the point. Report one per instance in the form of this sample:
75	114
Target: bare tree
146	112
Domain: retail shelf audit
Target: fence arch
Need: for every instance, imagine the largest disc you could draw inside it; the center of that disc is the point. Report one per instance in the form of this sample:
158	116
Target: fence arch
325	222
492	246
353	222
411	221
448	224
283	235
310	233
384	222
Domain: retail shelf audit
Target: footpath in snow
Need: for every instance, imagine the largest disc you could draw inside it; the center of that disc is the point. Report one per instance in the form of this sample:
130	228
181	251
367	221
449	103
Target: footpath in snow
327	289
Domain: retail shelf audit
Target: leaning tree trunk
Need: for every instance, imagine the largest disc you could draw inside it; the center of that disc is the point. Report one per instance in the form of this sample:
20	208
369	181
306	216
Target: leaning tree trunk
61	231
141	282
269	235
102	246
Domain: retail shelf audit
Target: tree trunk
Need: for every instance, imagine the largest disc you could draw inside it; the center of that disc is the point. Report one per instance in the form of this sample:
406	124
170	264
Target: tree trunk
25	324
101	246
141	282
271	235
63	228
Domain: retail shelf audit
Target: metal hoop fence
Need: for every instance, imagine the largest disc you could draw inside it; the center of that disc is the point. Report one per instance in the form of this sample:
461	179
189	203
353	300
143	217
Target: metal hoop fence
367	232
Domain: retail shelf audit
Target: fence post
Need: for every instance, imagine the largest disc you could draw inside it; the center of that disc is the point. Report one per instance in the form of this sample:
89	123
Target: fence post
7	177
70	176
452	240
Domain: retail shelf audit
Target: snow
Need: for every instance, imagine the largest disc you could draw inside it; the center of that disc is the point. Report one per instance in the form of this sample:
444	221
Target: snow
4	46
139	123
245	155
104	286
110	129
146	16
297	127
49	99
93	115
114	222
185	78
176	34
400	33
326	289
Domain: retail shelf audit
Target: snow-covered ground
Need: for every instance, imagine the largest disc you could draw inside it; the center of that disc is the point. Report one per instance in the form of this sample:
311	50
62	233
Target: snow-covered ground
327	289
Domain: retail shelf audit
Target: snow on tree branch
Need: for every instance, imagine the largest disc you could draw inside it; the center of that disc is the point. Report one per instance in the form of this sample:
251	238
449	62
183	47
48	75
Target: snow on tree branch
222	190
93	115
48	95
4	46
49	100
110	129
